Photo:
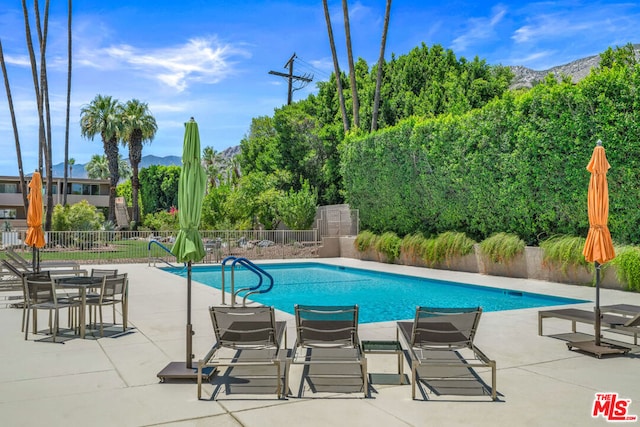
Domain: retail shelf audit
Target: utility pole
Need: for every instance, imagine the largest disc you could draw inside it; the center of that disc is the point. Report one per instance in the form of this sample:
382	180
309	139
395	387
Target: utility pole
305	79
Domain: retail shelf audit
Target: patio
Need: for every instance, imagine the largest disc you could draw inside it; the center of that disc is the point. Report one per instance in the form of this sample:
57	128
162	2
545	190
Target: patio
112	381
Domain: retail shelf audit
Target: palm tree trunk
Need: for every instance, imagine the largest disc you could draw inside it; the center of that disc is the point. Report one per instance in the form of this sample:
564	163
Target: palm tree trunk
135	157
66	131
352	71
23	184
111	151
336	67
135	186
383	43
44	93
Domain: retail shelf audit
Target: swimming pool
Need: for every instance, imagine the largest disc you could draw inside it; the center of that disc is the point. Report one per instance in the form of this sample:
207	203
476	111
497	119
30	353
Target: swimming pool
380	296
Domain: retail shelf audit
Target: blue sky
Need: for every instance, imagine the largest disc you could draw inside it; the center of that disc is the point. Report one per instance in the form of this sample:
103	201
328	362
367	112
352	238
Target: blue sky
210	59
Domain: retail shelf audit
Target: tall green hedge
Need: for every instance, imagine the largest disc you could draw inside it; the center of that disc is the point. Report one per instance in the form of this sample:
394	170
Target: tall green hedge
517	165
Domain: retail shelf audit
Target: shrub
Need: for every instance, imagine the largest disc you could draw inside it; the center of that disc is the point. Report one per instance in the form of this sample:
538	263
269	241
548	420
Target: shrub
389	244
365	240
446	246
627	263
413	245
564	251
162	221
502	247
80	216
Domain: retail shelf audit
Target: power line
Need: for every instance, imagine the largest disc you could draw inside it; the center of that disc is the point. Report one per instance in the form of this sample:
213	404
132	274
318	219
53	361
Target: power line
303	80
314	69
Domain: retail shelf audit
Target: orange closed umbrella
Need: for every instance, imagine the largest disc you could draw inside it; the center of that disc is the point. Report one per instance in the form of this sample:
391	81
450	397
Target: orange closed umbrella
598	247
35	235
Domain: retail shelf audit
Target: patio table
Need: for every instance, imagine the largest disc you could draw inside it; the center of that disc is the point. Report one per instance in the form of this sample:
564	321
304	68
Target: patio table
81	283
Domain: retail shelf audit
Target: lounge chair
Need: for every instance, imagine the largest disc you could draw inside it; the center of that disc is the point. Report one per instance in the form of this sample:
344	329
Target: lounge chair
440	344
247	338
53	267
625	321
45	264
327	343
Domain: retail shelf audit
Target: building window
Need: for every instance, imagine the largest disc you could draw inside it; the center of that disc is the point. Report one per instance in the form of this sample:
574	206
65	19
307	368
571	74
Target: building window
8	188
7	214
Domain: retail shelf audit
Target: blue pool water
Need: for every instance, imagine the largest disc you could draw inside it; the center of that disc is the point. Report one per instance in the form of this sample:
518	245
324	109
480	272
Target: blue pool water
380	296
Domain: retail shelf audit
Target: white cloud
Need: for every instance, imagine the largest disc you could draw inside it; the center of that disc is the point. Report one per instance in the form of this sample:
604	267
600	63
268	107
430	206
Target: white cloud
203	60
479	29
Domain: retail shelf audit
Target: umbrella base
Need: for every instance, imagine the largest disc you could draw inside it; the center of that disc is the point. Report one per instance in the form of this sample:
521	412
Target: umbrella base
179	371
598	350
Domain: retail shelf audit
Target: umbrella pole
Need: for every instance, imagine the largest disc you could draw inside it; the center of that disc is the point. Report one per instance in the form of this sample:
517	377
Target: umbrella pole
180	370
597	324
189	327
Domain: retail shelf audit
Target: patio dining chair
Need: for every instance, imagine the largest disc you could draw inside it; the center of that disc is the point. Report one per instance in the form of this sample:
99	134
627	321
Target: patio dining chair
40	294
113	291
328	346
440	345
249	343
100	272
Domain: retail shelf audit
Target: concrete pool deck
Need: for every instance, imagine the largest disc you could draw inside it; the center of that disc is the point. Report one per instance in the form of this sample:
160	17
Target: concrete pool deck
112	381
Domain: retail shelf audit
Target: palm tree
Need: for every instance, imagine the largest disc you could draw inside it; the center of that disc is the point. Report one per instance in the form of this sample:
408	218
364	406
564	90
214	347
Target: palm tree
352	71
97	167
233	168
336	67
102	116
376	97
23	184
71	162
138	127
67	160
212	162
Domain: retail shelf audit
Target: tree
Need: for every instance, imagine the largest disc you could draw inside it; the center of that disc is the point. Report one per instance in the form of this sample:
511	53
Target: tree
336	67
98	167
23	184
67	160
212	162
102	116
297	209
42	96
71	162
138	127
352	72
259	147
159	188
383	43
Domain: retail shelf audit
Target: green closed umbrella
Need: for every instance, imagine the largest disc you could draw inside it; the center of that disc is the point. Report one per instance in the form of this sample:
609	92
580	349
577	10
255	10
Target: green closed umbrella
188	246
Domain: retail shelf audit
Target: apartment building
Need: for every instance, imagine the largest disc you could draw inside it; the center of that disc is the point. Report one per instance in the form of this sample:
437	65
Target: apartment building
12	209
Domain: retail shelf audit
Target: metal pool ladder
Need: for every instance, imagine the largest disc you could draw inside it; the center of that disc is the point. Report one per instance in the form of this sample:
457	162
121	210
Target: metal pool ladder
257	289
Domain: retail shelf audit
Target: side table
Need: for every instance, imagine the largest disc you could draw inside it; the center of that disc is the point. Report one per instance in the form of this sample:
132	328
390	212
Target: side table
386	347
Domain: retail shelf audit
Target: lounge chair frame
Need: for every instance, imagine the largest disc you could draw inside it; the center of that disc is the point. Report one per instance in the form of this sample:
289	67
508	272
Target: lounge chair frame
437	330
328	335
251	331
625	321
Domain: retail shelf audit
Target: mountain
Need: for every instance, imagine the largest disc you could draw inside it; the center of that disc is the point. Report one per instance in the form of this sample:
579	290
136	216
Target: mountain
79	171
578	70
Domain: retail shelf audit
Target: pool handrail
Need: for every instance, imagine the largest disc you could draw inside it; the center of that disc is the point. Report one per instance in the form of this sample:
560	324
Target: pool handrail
159	259
249	266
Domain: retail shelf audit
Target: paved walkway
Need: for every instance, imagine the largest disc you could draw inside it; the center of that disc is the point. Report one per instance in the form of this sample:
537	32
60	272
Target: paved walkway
112	381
